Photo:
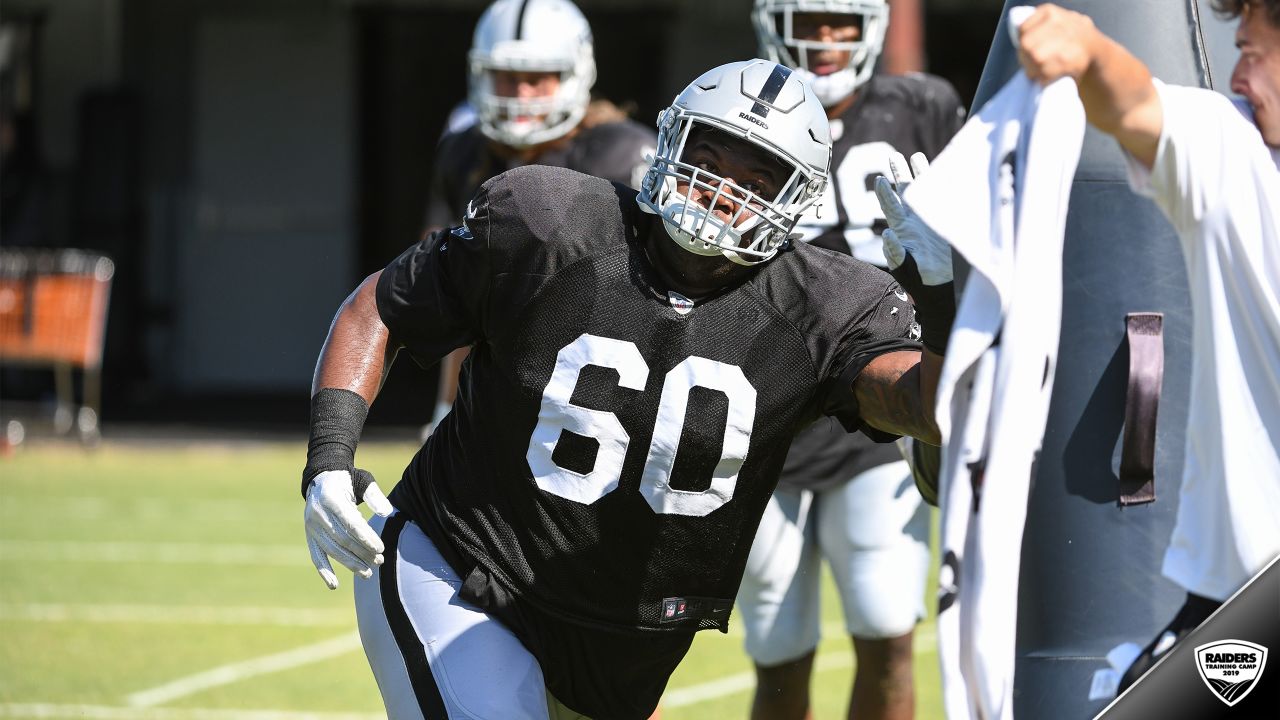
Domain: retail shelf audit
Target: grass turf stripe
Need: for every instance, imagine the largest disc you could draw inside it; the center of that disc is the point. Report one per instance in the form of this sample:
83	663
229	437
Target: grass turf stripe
177	614
235	672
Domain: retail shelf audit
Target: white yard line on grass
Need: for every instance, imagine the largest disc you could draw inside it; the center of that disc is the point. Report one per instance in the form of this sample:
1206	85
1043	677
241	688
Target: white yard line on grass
925	641
141	703
194	553
49	711
236	672
721	687
177	614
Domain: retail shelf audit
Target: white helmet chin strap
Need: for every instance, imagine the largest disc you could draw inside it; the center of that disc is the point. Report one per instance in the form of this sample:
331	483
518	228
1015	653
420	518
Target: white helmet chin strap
701	232
833	88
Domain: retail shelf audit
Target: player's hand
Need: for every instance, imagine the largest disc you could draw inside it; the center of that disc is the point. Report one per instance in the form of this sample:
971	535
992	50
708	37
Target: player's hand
335	527
908	240
919	259
1054	43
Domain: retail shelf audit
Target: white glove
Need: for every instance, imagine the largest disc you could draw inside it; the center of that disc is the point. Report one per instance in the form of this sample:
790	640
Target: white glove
907	233
335	527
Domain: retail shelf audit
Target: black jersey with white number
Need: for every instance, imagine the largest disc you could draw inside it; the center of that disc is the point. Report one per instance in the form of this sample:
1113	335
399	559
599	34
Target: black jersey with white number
907	113
614	151
611	451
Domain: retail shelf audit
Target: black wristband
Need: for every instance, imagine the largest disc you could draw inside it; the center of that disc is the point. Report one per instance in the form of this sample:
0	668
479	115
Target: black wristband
935	305
337	417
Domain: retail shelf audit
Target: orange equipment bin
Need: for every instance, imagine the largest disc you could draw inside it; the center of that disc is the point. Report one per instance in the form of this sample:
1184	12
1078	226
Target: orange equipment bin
53	312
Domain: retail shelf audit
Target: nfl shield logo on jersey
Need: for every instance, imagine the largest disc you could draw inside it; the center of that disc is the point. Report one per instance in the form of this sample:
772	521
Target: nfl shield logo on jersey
1230	668
674	609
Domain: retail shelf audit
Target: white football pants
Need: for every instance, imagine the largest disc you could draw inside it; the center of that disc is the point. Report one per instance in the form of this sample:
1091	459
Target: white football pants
874	532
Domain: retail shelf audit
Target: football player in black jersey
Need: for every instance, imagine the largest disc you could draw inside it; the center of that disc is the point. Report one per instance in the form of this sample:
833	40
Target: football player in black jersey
531	69
641	363
841	497
529	86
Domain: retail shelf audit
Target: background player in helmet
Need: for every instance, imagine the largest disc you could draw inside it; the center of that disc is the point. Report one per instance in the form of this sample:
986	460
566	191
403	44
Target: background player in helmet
841	496
531	68
641	364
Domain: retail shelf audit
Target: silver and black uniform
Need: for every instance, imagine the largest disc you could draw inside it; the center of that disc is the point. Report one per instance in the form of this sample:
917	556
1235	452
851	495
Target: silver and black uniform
603	471
907	113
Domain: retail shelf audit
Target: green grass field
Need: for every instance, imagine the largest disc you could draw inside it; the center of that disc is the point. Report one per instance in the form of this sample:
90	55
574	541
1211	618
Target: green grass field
169	583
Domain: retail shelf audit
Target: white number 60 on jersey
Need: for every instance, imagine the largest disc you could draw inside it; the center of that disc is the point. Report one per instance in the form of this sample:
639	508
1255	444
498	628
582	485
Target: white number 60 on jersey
557	414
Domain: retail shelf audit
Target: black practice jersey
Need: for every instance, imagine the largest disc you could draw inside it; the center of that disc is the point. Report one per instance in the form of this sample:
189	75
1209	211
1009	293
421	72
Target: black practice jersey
612	448
614	151
907	113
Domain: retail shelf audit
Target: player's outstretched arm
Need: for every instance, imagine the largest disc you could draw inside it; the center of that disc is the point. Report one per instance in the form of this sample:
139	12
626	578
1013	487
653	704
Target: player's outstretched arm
1115	87
896	392
353	363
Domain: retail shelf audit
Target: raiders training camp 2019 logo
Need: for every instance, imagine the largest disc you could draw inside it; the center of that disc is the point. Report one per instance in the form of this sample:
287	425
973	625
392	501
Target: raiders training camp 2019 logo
1230	667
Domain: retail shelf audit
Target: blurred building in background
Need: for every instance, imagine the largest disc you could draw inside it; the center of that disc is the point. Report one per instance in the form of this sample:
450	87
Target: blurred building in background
247	162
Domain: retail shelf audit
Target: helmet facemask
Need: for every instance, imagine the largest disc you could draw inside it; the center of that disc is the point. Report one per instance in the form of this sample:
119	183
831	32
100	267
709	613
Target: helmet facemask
775	24
757	225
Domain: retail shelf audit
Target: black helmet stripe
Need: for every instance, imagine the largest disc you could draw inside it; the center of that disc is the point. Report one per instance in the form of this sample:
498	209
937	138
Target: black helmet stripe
524	5
771	88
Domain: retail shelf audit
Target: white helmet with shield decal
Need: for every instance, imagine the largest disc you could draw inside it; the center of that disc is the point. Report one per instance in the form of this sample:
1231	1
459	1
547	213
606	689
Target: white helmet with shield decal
774	22
766	105
534	36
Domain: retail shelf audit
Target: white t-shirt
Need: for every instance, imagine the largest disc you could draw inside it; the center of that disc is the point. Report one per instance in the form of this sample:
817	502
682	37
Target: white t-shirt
1219	185
998	193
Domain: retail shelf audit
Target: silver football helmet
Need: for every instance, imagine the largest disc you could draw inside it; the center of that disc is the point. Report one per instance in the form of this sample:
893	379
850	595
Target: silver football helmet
767	105
531	36
773	21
